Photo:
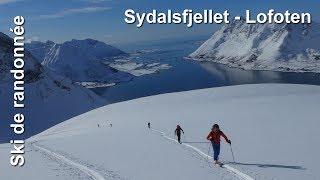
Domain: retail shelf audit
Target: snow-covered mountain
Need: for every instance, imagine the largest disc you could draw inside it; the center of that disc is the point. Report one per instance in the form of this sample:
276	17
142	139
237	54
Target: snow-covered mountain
80	60
96	48
279	47
39	49
49	98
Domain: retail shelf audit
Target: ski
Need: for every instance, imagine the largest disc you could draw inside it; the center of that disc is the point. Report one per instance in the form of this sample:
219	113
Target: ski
220	164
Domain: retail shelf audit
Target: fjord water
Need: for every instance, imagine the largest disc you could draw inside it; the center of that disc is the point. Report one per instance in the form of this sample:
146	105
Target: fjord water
189	75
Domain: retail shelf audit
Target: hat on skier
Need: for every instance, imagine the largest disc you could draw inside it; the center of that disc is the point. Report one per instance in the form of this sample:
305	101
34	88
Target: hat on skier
215	126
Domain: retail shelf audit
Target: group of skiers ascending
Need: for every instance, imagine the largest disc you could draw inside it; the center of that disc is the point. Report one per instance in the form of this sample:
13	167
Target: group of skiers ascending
214	136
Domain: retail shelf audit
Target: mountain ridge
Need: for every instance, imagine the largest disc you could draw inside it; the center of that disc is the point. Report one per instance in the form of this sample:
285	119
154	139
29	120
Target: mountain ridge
278	47
80	60
46	95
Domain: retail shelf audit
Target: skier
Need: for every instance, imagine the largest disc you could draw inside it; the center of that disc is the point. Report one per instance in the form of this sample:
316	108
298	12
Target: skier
178	133
214	137
149	125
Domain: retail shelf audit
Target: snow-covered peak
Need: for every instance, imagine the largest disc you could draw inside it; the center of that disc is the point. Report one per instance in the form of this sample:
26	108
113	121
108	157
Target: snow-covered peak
95	48
49	42
91	47
80	60
284	47
39	49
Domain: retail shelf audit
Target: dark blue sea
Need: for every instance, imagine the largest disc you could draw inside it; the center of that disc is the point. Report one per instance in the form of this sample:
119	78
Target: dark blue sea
189	75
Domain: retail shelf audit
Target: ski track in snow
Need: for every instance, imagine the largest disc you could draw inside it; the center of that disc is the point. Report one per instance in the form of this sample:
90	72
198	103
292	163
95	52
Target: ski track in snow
230	169
96	176
91	173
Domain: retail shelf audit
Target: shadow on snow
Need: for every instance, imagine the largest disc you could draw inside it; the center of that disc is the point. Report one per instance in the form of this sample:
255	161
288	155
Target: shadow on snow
270	165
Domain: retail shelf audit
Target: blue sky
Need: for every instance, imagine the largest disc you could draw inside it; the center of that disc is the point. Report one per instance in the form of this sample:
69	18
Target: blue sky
62	20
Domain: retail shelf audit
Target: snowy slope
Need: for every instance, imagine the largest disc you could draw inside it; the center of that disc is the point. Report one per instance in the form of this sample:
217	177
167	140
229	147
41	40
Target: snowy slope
273	129
279	47
49	98
39	49
80	60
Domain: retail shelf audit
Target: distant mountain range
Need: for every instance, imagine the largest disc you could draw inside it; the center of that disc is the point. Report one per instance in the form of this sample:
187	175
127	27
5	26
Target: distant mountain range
49	98
79	60
278	47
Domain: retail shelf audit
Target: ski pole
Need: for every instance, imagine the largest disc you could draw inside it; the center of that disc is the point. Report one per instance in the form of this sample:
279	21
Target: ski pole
184	137
232	154
208	153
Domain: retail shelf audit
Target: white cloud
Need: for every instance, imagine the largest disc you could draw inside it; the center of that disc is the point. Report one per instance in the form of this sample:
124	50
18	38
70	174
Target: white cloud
33	38
67	12
7	1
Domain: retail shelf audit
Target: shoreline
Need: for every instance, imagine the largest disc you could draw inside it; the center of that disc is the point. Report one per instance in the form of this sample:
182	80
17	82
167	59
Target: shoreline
250	69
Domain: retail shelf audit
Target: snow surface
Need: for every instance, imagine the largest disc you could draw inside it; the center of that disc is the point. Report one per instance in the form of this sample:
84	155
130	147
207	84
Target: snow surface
273	129
278	47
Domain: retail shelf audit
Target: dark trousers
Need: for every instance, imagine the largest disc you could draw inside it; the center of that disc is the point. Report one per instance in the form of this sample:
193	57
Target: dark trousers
216	151
179	138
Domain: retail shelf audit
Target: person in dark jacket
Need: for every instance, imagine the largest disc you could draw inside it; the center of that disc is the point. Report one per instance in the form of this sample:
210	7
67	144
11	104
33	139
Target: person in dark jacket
149	125
214	137
178	133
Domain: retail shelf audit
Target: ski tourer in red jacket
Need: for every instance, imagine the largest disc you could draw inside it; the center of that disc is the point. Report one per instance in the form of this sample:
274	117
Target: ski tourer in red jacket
214	137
